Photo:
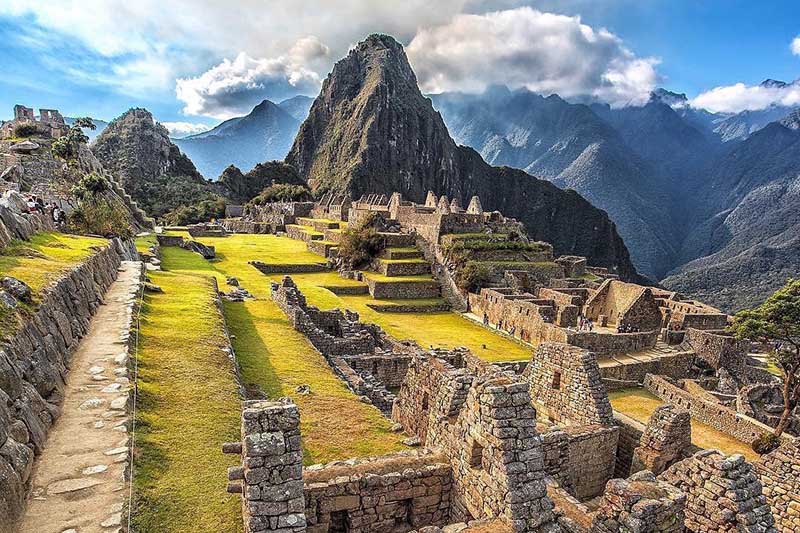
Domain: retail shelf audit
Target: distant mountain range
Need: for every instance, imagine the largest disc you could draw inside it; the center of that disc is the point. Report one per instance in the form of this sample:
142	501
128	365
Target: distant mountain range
707	202
265	134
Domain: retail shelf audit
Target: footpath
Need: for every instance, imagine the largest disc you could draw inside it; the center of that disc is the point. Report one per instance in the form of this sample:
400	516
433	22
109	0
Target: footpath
79	480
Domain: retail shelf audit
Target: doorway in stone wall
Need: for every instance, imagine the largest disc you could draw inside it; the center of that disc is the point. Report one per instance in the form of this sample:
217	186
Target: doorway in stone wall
339	522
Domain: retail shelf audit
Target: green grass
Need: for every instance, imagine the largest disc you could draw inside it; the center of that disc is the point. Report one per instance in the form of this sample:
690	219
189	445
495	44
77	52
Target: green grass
412	260
144	242
445	329
188	405
639	404
38	262
275	359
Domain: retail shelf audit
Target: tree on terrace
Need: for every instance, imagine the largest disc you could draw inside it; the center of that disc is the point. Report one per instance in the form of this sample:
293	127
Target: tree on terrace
777	321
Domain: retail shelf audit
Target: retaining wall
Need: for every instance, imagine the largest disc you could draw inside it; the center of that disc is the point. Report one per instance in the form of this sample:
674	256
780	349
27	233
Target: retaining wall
34	364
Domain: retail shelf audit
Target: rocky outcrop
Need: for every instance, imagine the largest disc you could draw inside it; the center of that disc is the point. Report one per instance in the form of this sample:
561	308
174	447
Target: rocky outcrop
371	131
241	188
34	363
137	149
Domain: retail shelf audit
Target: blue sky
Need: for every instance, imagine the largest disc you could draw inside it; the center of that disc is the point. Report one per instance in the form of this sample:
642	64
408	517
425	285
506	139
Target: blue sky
195	63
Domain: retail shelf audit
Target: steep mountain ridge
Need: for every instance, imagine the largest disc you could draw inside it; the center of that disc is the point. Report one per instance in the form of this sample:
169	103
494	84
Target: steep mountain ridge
264	134
137	149
371	130
747	242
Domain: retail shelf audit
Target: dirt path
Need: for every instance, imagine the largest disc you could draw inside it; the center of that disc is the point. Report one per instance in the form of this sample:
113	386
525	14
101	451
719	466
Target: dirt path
78	484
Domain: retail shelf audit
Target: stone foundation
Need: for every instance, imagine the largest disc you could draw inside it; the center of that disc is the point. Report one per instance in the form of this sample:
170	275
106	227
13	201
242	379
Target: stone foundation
779	472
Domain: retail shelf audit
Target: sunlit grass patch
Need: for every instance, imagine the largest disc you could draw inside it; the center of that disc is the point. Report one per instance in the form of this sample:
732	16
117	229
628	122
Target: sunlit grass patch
639	404
188	406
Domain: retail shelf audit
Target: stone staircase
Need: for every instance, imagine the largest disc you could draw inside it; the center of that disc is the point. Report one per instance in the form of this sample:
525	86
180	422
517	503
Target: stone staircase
400	273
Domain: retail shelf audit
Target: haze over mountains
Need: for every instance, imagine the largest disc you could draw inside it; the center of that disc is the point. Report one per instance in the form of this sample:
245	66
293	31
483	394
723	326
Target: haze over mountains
706	203
266	133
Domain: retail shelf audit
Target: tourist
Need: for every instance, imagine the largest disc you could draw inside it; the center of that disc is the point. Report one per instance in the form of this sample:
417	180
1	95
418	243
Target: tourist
40	205
590	324
55	214
512	330
485	319
31	205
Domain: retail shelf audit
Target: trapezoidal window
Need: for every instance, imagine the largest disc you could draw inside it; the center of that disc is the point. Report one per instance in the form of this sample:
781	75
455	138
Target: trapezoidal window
556	380
475	455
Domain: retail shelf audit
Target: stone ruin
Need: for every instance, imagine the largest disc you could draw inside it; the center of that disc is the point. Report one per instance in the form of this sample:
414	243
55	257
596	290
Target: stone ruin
665	440
50	123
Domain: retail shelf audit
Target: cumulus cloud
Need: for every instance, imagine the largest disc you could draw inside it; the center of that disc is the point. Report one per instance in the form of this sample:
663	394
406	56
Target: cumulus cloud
182	129
795	46
232	88
741	97
523	47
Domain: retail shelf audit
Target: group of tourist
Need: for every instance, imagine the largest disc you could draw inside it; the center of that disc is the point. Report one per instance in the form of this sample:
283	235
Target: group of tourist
37	205
585	323
627	329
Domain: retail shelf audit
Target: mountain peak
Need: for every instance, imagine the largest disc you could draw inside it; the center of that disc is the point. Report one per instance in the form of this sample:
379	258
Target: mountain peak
669	98
371	130
769	83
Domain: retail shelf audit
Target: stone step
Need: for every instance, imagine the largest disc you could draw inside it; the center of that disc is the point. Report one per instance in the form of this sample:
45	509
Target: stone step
404	267
303	233
406	289
401	253
324	248
397	239
317	223
333	235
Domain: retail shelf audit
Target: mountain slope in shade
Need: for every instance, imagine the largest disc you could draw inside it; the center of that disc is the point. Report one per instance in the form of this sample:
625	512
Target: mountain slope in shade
264	134
137	149
570	145
749	242
371	130
297	106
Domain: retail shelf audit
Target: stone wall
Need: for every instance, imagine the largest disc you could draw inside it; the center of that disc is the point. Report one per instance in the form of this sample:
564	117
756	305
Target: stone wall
640	504
295	268
779	472
34	364
664	441
565	382
592	458
714	414
624	304
402	290
630	435
397	492
723	494
675	365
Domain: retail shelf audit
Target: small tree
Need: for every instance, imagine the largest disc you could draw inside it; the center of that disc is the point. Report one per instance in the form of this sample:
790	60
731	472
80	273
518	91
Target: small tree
361	244
777	320
67	146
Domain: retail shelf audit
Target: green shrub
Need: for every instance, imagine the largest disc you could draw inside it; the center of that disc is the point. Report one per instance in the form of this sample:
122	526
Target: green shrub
90	185
473	277
765	443
283	192
192	214
358	246
68	145
26	129
99	215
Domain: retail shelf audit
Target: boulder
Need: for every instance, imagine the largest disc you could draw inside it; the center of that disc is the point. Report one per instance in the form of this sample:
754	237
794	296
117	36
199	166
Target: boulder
17	288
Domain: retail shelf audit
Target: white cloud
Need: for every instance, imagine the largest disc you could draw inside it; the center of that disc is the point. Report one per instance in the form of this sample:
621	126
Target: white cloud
741	97
182	129
234	87
524	47
795	46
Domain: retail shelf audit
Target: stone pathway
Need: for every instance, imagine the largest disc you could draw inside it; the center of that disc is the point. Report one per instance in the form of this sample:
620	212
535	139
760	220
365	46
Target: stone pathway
78	481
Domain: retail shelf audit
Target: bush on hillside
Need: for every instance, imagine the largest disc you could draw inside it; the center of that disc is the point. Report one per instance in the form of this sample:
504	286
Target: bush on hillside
473	277
283	192
68	145
192	214
99	212
361	244
25	129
